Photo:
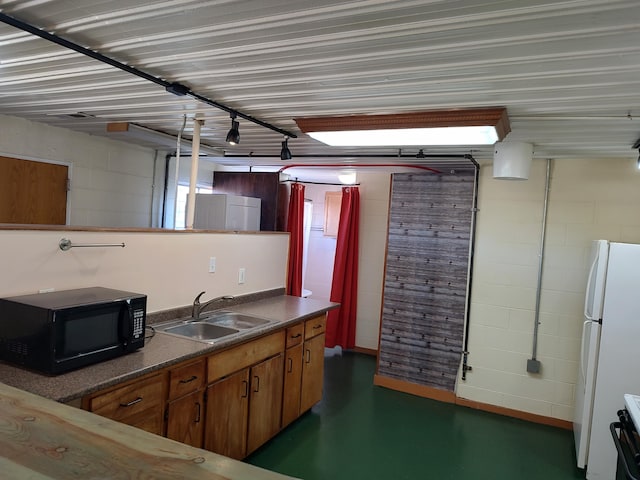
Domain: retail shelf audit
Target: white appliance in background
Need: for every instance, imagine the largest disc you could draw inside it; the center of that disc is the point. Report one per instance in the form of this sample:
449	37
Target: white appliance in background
610	357
218	211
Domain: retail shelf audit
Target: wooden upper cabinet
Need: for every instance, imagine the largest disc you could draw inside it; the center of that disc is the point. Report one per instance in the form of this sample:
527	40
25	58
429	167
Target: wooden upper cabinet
33	192
263	185
332	207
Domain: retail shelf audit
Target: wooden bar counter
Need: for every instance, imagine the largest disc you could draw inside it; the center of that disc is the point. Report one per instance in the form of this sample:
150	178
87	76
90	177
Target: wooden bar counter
42	439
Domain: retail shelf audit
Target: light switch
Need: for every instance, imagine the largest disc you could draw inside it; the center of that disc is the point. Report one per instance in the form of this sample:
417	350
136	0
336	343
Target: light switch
241	275
212	264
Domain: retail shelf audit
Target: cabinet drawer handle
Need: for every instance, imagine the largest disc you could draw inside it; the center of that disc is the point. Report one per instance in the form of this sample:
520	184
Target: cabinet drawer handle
290	369
317	326
197	420
132	402
187	380
296	336
257	383
308	353
246	389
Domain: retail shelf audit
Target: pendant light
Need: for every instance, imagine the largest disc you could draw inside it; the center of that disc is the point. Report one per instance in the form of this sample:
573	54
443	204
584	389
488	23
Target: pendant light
233	137
285	153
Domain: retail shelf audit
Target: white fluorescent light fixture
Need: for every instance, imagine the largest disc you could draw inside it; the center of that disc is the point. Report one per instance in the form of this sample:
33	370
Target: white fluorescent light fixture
486	135
449	127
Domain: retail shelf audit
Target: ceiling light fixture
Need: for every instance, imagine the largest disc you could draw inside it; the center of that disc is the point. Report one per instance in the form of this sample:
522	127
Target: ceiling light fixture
233	137
420	154
636	145
480	126
285	153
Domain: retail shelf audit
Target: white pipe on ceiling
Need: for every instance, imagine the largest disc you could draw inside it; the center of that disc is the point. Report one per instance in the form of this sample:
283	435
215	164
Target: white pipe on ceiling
195	153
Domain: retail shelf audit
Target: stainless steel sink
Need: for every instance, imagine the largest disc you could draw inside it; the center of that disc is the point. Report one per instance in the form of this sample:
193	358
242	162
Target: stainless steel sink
240	321
200	331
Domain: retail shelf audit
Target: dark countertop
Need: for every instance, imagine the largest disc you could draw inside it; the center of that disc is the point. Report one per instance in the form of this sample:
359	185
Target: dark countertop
160	351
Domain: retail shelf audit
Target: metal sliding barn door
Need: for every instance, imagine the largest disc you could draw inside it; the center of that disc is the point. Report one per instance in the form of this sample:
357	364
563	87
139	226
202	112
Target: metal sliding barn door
422	326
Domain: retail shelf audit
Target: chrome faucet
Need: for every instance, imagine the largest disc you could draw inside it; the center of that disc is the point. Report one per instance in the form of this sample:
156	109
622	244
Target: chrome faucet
199	307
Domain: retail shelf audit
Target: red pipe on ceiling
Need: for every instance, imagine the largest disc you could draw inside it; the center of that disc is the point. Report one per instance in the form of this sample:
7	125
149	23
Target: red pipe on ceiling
355	165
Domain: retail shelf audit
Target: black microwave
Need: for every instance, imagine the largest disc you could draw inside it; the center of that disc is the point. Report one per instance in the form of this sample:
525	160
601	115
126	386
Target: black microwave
60	331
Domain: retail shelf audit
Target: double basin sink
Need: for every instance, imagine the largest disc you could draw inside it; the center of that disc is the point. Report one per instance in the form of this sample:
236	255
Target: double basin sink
213	326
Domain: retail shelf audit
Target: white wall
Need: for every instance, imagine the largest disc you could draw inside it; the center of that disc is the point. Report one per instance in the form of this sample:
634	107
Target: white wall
589	199
374	217
322	249
170	267
111	181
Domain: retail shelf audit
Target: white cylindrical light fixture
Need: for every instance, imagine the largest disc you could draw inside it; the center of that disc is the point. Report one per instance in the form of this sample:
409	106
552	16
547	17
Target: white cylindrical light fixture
512	160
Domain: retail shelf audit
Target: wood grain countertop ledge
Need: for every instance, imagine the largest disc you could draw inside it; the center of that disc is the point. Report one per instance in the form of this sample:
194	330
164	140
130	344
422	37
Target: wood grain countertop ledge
47	440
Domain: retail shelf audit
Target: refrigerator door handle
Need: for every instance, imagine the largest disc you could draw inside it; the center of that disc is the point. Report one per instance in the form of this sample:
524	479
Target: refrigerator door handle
587	294
582	359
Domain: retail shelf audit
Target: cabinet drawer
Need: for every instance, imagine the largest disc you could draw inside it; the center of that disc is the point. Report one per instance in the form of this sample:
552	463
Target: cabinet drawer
295	334
314	326
237	358
186	379
130	399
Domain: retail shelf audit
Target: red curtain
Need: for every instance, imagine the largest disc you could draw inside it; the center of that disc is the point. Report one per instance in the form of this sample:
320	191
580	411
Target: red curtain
341	322
295	222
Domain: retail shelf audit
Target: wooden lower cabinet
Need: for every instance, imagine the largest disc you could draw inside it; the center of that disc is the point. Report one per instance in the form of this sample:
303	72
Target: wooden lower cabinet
243	409
265	401
227	415
138	403
292	384
229	402
185	419
312	373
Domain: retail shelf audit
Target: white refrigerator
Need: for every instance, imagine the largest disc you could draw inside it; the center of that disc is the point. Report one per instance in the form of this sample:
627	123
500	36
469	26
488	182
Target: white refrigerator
610	353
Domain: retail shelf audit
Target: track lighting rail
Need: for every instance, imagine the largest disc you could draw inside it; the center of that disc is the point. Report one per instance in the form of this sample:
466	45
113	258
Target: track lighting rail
171	87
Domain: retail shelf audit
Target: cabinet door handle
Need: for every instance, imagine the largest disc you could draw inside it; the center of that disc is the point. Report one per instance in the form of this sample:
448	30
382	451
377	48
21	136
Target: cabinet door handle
257	383
296	336
246	389
197	420
132	402
290	369
317	326
187	380
308	353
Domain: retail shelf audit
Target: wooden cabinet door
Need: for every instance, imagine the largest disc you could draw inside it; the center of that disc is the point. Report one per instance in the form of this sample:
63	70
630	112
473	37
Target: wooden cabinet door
292	381
185	419
265	405
312	372
32	192
226	415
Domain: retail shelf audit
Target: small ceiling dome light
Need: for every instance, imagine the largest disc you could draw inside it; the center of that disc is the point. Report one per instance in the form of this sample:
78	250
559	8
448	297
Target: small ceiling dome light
233	137
285	153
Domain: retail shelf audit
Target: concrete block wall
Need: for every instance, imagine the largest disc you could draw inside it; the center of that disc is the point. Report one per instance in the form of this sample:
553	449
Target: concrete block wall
111	181
589	199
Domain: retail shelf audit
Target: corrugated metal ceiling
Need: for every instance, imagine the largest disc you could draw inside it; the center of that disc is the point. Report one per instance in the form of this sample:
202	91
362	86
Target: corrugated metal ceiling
568	72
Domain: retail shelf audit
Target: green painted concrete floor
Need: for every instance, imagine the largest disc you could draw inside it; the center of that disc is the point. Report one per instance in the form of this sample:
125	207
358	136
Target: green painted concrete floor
360	431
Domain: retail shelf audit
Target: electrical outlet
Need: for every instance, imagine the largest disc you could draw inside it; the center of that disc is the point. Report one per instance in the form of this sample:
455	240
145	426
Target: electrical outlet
212	264
241	275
